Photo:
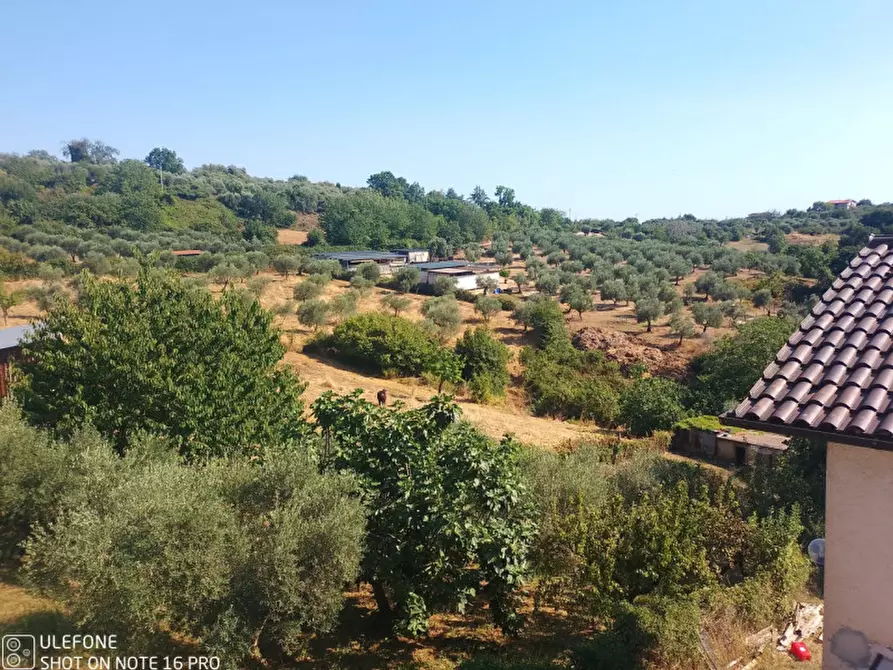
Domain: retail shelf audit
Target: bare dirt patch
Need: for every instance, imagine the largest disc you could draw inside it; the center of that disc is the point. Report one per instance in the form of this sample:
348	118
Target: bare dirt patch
289	236
627	351
811	240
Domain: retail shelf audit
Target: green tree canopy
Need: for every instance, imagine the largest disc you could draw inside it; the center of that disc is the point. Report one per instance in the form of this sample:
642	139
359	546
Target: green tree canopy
167	160
162	358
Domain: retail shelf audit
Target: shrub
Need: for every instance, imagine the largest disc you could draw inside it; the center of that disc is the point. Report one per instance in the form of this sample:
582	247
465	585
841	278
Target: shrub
396	302
224	554
650	404
506	302
485	363
562	381
383	343
369	271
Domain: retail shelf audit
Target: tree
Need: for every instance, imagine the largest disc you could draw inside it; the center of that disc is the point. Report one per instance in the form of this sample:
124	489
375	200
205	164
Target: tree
96	361
310	288
444	285
447	512
504	258
479	197
648	310
763	298
442	316
473	252
396	302
725	374
679	268
440	248
313	313
166	160
521	280
360	284
707	315
88	151
285	265
485	359
8	300
613	289
446	366
487	283
387	184
682	325
407	278
344	304
487	306
708	282
315	237
576	298
733	310
650	404
548	283
369	271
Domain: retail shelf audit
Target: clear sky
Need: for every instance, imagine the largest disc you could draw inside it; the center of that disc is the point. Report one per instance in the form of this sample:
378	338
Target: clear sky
606	109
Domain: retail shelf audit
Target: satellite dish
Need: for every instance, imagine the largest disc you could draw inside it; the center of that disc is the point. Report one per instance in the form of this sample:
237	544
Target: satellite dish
816	551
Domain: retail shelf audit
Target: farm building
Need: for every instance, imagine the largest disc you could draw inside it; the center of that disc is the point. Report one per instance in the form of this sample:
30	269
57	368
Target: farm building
185	253
10	349
466	274
416	255
738	448
350	260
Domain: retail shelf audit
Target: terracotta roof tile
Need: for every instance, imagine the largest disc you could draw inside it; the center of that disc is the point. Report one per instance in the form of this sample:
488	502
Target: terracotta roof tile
835	374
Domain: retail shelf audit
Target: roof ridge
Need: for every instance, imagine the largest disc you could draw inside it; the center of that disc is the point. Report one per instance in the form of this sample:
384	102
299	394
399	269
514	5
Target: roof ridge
877	240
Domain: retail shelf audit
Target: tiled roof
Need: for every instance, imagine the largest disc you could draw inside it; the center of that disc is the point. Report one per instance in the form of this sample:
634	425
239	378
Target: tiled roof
835	374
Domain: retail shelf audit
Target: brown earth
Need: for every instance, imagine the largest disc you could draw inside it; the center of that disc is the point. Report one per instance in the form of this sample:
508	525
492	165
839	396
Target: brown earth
811	240
628	350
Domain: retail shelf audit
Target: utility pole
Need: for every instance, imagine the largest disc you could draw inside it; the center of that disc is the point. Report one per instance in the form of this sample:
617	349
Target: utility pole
161	176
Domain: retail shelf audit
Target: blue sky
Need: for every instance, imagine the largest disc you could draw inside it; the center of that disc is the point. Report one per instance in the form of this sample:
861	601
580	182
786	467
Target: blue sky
606	109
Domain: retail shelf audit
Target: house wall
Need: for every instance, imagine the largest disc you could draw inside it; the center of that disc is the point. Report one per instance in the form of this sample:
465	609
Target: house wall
418	256
470	282
725	450
858	556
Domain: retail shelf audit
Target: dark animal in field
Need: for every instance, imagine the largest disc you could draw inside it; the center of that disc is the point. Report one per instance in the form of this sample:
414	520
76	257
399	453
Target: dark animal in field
382	397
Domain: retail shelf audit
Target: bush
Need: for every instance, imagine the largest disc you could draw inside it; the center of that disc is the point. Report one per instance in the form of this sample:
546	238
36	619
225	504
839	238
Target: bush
485	363
507	302
442	316
562	381
650	404
311	288
369	271
383	343
150	549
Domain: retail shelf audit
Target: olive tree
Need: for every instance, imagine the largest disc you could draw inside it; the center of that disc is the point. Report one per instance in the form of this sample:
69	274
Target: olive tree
487	306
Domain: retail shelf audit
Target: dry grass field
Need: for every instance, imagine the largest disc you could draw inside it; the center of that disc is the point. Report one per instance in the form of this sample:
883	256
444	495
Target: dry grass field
509	414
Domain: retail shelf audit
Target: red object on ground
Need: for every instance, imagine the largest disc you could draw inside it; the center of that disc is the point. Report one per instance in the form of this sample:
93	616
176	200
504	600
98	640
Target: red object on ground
800	652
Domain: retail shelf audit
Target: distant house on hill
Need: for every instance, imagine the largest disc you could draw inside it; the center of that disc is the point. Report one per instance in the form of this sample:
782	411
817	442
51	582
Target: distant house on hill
414	255
386	261
187	252
833	382
843	204
10	349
